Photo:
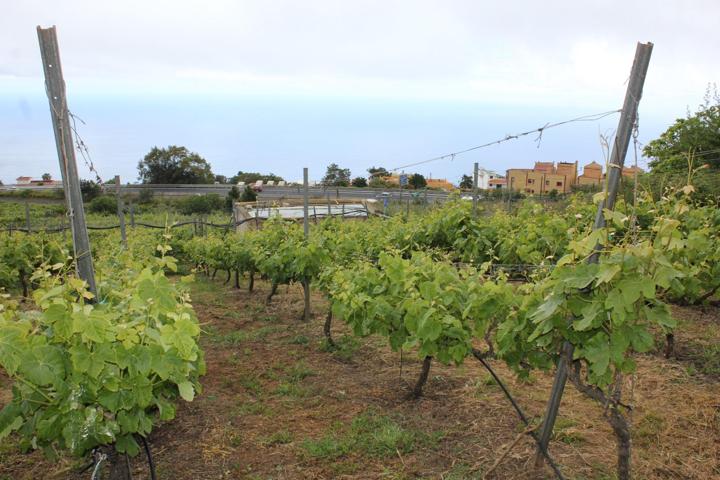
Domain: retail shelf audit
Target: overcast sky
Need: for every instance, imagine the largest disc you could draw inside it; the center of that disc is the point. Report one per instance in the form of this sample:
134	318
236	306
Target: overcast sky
277	85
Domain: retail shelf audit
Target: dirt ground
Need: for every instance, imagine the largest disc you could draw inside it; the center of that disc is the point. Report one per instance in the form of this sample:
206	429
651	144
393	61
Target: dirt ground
278	405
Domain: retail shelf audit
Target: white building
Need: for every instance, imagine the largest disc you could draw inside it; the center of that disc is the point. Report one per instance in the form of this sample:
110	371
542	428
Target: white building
484	177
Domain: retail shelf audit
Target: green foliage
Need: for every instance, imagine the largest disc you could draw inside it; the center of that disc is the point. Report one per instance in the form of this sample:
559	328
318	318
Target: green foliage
697	135
232	197
378	172
105	205
359	182
146	196
89	374
174	165
466	182
417	181
336	176
369	434
248	194
201	204
89	190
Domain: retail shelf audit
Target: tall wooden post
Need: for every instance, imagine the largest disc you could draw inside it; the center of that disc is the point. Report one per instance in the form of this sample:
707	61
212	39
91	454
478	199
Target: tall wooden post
306	231
617	160
55	87
475	190
120	213
306	225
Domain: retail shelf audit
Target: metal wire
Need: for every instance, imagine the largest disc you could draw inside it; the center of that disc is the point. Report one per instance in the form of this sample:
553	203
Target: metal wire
584	118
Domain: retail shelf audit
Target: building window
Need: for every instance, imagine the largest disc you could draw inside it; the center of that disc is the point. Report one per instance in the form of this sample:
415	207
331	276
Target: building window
547	182
530	181
559	184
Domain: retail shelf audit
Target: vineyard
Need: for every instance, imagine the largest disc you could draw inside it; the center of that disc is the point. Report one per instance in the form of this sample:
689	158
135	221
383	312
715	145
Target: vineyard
420	346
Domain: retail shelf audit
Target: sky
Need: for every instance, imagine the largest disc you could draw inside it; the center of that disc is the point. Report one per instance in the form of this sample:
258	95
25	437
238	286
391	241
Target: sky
276	85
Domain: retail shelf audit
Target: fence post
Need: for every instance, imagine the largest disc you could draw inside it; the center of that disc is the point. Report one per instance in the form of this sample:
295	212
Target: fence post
617	160
120	213
306	232
55	87
27	217
475	190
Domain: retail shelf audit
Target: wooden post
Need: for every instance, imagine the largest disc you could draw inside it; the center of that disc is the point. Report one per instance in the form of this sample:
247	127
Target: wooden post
475	190
306	232
55	87
328	205
617	160
306	224
27	217
120	213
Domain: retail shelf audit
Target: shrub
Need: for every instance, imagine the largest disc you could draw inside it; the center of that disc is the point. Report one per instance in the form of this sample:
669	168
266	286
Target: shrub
105	205
201	204
248	195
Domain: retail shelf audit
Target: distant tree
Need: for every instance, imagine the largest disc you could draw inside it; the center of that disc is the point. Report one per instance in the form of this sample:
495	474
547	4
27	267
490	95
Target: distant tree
252	177
110	181
89	190
221	179
466	181
336	176
46	177
232	197
417	181
696	136
359	182
377	172
248	195
174	165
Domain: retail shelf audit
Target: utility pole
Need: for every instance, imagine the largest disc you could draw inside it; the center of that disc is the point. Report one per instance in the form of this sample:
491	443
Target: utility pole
475	190
55	87
121	214
626	124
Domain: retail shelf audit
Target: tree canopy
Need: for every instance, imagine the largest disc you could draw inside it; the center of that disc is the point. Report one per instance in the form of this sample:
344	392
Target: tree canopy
359	182
174	165
466	181
417	181
336	176
378	172
697	136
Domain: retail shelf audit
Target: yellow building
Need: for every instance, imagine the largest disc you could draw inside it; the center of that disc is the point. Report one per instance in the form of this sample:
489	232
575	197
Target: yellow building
543	178
592	174
431	182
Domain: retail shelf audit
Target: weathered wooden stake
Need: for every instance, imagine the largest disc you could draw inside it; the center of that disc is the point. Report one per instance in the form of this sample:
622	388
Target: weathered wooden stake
617	160
55	87
120	213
